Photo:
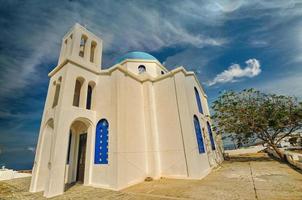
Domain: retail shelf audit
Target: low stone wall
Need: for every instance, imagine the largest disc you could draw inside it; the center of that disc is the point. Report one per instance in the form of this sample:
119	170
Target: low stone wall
252	149
7	174
294	159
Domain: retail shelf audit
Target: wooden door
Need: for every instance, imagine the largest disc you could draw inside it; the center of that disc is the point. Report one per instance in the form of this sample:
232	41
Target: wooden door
81	157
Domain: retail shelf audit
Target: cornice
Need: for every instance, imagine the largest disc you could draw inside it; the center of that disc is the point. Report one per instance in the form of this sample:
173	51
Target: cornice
124	70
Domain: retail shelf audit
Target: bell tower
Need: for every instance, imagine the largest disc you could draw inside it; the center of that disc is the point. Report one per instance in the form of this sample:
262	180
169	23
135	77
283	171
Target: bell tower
82	47
70	88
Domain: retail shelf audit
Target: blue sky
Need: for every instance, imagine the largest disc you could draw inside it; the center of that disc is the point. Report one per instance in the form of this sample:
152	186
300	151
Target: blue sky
229	44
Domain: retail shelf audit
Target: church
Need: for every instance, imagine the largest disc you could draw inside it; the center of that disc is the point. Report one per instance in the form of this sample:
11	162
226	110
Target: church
115	127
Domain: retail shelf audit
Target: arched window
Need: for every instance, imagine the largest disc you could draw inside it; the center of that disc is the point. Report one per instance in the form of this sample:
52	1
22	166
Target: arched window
198	135
89	96
82	45
101	142
57	85
141	69
92	51
211	136
77	93
198	101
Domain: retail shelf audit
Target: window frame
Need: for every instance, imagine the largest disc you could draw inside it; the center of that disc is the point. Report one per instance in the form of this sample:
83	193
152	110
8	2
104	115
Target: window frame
213	147
199	136
198	100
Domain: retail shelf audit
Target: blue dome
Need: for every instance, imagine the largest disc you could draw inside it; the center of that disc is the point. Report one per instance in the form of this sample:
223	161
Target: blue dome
136	55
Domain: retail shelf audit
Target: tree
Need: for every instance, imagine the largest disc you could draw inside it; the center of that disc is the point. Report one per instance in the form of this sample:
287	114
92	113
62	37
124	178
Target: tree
293	141
251	115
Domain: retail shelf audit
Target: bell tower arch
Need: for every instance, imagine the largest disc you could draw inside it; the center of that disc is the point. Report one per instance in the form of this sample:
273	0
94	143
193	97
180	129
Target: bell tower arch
81	46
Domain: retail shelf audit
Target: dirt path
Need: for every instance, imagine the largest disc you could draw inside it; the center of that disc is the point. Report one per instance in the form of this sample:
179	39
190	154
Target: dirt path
243	177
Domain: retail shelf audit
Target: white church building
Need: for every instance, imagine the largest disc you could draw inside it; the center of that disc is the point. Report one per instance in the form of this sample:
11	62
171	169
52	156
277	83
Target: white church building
112	128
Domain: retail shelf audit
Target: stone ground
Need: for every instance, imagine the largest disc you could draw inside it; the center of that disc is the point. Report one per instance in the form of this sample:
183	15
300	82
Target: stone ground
253	176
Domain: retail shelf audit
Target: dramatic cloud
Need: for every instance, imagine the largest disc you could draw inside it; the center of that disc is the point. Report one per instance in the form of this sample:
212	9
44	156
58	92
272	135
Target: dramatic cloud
33	32
235	71
33	29
259	43
32	149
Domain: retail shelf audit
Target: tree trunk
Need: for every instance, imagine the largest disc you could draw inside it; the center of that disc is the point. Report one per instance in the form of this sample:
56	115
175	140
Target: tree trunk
277	150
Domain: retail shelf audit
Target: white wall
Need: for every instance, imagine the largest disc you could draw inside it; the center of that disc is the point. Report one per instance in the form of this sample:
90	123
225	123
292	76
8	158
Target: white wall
151	130
200	165
152	67
131	132
172	158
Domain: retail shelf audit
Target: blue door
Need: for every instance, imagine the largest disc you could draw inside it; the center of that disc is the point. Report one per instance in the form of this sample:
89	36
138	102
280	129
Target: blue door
101	142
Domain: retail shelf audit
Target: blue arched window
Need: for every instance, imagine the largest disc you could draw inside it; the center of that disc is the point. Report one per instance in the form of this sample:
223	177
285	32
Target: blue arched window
211	136
198	135
101	142
198	101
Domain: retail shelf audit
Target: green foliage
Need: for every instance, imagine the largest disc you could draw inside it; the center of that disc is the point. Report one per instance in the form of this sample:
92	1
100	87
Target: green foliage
251	114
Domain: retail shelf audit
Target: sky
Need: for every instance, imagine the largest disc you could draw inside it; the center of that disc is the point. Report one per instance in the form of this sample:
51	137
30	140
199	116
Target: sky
230	45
